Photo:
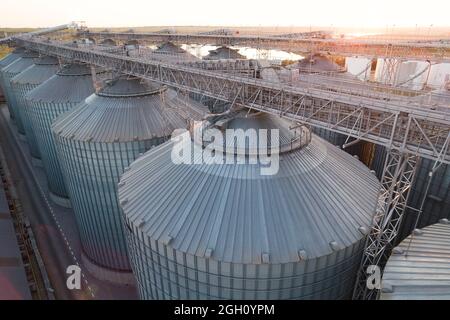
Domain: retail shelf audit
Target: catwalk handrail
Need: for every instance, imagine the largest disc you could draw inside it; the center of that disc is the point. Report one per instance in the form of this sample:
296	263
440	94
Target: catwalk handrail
393	124
438	51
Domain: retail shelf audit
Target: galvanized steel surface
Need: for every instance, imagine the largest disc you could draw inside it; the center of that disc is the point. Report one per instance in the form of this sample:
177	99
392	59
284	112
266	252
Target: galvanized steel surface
5	61
97	140
419	268
63	91
9	72
42	69
227	232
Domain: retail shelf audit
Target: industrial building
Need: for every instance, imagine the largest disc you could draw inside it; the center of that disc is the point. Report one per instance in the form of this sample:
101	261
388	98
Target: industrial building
363	161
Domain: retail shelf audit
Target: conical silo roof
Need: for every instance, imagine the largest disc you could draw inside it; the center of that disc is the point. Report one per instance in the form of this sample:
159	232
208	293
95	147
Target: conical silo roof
127	110
223	53
71	84
169	48
111	128
319	196
317	64
59	94
9	72
26	60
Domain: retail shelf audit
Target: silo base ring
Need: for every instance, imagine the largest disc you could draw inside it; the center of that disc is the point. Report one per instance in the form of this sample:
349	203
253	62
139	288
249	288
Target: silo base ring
60	201
105	274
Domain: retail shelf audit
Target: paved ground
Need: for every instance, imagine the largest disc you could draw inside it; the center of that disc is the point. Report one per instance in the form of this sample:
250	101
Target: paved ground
54	227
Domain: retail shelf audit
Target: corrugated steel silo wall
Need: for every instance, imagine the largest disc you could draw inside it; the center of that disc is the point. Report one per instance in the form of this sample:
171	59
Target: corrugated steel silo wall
164	273
42	115
21	90
11	98
6	89
92	171
437	203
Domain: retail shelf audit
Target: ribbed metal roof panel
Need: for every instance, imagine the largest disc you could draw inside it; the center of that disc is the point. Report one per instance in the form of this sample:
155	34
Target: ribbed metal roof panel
223	53
72	84
419	268
126	111
10	58
42	69
320	195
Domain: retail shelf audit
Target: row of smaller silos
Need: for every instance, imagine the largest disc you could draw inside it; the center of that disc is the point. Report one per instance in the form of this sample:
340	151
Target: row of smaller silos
25	60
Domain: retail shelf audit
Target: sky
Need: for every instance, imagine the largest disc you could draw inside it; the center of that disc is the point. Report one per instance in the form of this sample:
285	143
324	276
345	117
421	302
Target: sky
135	13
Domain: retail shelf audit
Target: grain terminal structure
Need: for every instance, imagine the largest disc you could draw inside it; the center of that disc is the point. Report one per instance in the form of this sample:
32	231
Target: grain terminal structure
238	234
42	69
96	141
63	91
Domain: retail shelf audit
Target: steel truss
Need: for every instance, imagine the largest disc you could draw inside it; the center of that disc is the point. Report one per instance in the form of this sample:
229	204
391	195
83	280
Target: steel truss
398	175
433	51
408	132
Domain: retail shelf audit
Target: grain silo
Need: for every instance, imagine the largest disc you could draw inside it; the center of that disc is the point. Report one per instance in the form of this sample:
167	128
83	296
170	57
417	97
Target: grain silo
9	72
317	63
224	231
419	267
223	53
5	61
42	69
60	93
96	141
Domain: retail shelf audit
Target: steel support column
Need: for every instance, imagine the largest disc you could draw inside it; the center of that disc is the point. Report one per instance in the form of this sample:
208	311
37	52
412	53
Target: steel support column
398	175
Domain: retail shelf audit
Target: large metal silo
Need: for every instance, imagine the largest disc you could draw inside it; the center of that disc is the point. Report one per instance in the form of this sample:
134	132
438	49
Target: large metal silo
59	94
5	61
96	141
225	231
419	267
42	69
9	72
